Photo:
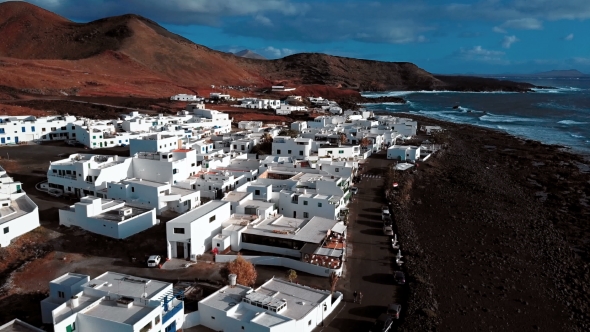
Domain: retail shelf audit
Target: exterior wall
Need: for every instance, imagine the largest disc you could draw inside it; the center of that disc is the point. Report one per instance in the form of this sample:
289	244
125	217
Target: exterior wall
298	210
284	262
113	229
289	147
340	151
20	225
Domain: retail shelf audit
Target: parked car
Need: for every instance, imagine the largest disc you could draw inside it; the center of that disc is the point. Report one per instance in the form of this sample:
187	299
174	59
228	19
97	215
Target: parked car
385	212
354	190
384	323
387	221
400	278
387	230
153	261
394	309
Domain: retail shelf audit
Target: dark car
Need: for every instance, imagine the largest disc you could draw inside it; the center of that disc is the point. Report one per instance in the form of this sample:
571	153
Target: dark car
400	278
384	323
394	309
387	221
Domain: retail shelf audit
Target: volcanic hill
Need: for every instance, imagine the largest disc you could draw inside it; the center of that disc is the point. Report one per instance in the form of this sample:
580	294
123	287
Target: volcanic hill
129	55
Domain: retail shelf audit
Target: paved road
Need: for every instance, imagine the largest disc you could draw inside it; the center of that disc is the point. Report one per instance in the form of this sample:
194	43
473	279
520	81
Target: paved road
370	263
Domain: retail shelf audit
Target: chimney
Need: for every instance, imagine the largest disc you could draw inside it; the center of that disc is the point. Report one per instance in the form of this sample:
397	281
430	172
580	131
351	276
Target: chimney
74	302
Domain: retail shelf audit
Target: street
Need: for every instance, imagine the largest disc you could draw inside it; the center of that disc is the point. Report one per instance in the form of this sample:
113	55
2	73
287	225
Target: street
370	259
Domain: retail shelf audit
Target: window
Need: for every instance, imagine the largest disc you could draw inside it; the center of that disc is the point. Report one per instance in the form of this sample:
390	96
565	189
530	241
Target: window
305	215
337	169
278	151
146	328
178	230
319	204
132	189
93	137
73	127
63	128
289	151
309	323
61	294
212	317
23	129
212	219
157	321
341	151
301	153
304	202
256	192
6	230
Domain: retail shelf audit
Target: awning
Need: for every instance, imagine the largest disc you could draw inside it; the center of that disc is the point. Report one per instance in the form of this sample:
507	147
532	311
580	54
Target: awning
339	228
329	252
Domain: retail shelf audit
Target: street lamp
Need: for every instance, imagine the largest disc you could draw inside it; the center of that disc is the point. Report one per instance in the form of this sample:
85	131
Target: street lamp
325	306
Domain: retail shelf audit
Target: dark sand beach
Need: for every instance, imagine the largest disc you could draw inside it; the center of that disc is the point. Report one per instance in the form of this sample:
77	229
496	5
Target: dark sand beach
495	235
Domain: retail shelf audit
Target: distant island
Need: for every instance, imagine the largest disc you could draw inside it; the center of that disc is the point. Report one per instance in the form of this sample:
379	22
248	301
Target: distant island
569	73
250	55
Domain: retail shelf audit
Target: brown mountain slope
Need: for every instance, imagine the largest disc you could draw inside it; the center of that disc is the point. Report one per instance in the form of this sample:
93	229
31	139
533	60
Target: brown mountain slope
131	55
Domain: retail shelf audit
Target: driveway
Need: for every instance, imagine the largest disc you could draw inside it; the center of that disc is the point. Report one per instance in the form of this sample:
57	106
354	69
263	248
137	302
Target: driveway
370	258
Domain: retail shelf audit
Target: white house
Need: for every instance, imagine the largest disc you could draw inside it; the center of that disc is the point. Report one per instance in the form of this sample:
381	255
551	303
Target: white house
275	306
339	151
298	148
107	217
281	88
18	129
159	142
284	109
219	96
403	153
184	97
18	213
250	125
154	195
17	325
112	302
191	234
299	125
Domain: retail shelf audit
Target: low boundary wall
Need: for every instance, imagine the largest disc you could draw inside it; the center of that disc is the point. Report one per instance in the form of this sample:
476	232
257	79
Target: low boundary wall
283	261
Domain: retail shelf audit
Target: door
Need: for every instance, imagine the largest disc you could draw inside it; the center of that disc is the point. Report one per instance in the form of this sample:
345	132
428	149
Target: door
3	140
294	214
188	249
16	139
179	249
18	189
101	144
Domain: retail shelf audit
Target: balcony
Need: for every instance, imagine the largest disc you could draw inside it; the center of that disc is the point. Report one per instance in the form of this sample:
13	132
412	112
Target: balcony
172	312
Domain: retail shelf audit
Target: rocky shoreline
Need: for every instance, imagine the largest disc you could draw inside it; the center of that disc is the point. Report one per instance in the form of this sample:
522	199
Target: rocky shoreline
495	233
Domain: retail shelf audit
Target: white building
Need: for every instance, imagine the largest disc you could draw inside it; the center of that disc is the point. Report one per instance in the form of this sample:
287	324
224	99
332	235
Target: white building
250	125
112	302
184	97
17	325
284	109
18	213
107	217
403	153
298	148
154	143
275	306
339	151
219	96
191	234
18	129
148	194
281	88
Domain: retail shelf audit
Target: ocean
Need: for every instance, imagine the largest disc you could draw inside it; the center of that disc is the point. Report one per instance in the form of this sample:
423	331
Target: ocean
560	115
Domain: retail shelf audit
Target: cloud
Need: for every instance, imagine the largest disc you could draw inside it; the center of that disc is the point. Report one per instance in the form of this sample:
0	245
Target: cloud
263	20
520	24
569	37
478	53
273	52
469	34
508	41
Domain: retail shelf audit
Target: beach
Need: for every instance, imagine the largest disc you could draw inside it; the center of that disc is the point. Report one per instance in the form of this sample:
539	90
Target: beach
494	230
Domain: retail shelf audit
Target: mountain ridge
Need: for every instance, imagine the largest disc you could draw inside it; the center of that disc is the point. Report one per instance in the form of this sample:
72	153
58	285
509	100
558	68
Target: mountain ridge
133	55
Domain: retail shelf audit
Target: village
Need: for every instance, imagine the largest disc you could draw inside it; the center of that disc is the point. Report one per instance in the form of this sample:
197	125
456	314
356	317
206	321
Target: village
296	197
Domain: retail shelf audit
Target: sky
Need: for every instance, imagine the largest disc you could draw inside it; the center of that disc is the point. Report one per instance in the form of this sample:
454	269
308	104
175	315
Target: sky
447	37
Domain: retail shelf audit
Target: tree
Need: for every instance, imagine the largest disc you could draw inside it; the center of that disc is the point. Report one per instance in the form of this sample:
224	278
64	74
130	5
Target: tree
343	138
266	138
291	275
243	269
333	281
365	142
289	132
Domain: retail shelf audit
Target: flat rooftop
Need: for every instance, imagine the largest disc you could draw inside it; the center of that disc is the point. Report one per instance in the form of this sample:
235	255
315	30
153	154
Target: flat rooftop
198	212
310	231
145	182
226	298
300	299
69	279
17	208
115	216
126	285
17	325
235	196
109	310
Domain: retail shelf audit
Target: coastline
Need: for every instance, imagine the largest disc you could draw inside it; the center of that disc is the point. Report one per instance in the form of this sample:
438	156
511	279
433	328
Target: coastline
495	235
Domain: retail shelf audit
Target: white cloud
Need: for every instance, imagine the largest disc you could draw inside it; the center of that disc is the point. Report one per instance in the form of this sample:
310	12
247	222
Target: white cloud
520	24
508	41
581	61
273	52
569	37
263	20
478	53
